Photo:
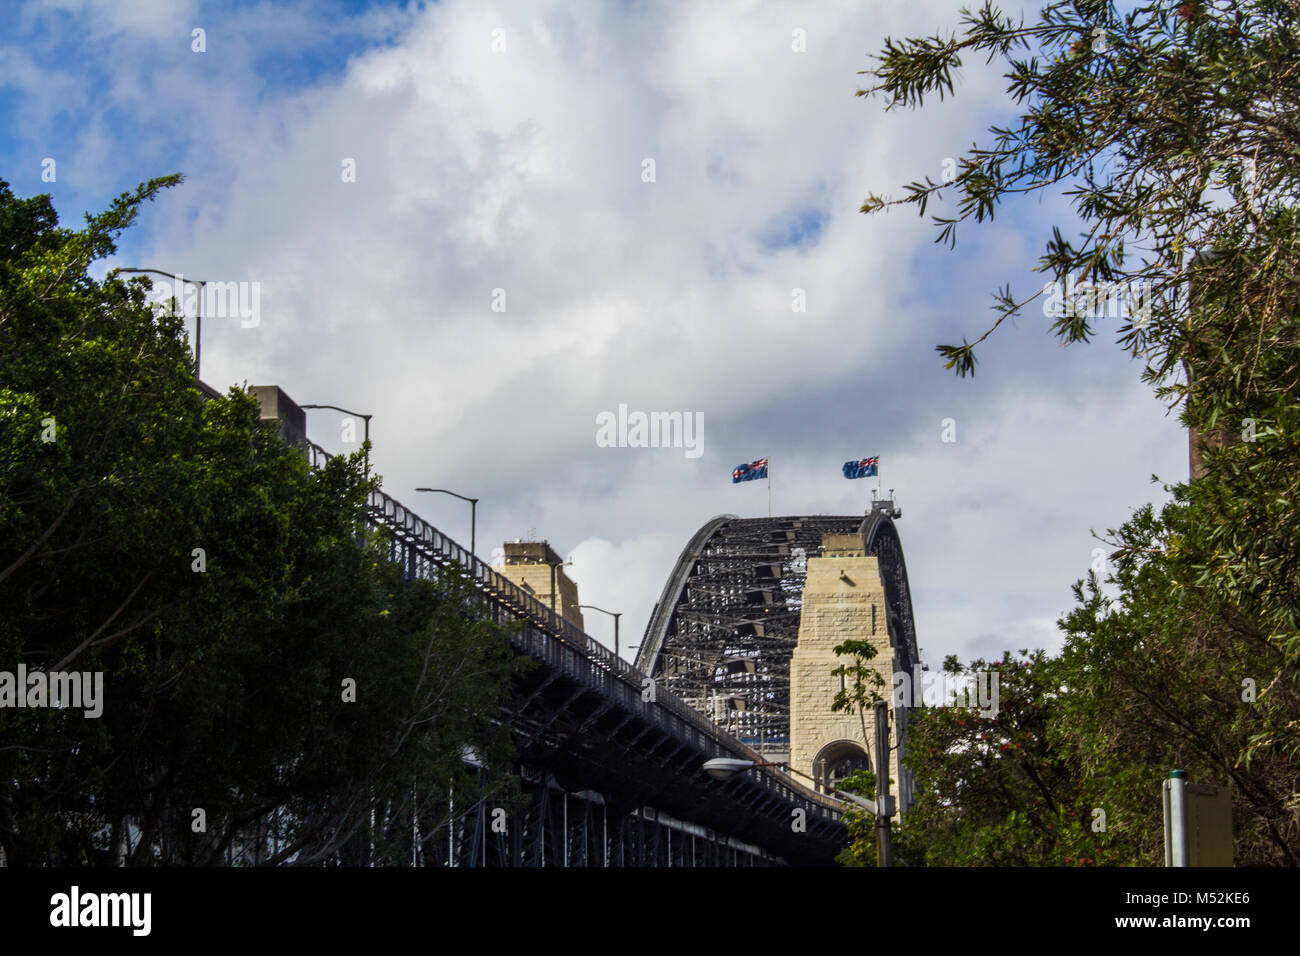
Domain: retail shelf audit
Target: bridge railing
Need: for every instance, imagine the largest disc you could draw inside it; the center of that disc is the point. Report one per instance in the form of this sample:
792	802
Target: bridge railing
410	529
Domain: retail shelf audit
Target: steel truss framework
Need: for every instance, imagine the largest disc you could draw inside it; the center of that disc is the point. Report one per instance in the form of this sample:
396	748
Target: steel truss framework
559	828
594	734
727	622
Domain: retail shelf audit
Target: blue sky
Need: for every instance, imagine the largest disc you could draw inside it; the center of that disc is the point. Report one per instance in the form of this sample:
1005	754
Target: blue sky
503	147
61	60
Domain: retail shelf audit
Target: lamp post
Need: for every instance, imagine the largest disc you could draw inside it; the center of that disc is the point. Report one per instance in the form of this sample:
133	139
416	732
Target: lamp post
553	565
724	768
473	513
884	839
611	614
882	808
345	411
198	309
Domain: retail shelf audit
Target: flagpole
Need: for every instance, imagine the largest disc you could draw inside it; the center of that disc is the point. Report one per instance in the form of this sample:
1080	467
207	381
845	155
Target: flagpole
769	488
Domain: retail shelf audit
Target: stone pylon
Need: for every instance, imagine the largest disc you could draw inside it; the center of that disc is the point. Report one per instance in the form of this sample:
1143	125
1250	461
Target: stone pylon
539	570
843	599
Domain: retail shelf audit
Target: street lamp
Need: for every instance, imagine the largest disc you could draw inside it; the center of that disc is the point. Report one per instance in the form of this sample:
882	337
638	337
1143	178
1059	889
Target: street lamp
724	768
882	808
473	512
553	565
358	415
611	614
198	310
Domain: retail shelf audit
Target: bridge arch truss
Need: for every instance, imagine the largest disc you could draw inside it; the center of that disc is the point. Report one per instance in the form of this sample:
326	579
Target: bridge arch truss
727	622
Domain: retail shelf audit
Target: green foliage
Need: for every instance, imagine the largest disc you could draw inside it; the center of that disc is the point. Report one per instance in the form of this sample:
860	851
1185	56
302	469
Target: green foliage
861	825
1167	674
1175	673
996	788
860	683
223	687
1172	129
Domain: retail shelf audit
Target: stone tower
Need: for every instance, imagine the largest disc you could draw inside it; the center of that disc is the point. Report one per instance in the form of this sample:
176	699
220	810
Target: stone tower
843	599
534	565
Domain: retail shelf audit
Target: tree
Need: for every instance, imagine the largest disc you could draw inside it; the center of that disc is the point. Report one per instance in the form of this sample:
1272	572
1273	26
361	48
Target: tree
860	684
227	592
1168	675
1067	772
1173	130
996	786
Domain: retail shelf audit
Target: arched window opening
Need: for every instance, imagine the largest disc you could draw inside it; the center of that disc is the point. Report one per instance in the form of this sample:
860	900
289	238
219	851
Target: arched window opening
836	761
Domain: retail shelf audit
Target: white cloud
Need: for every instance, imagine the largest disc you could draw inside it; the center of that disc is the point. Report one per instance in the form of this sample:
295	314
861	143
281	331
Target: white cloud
521	170
101	19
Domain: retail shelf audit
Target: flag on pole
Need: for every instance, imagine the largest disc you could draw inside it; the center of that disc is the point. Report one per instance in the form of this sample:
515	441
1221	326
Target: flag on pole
863	468
754	470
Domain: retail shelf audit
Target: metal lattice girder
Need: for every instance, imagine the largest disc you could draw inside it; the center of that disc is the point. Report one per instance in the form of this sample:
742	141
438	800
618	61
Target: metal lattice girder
727	622
584	715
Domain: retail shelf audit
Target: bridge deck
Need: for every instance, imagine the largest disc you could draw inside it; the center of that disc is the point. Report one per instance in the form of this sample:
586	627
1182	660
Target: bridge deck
590	719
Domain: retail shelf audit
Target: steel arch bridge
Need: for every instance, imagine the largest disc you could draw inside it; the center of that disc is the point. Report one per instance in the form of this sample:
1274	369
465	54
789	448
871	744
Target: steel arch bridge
612	765
613	773
725	628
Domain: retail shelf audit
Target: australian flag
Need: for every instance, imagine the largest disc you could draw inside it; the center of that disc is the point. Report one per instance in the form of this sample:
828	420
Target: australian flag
865	468
750	472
